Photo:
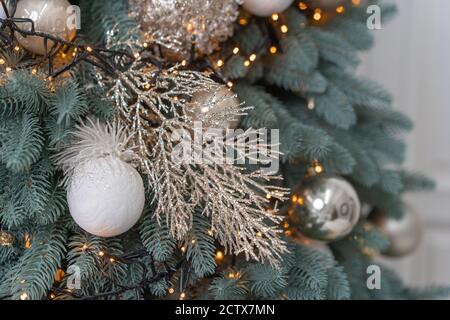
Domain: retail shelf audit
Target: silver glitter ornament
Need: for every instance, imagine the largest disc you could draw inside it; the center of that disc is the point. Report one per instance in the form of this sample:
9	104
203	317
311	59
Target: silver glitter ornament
6	239
206	104
403	234
325	208
178	24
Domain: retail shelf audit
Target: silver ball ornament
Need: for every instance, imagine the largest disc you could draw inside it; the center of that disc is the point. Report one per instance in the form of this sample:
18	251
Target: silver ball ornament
205	105
178	24
49	16
404	234
325	208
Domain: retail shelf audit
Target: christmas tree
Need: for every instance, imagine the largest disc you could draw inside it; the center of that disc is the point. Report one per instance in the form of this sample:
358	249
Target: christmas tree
113	186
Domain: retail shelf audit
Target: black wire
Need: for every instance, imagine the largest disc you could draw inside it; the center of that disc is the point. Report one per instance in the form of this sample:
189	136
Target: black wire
100	57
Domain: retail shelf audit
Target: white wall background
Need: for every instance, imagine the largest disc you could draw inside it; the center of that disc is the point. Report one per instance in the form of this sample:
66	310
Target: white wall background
412	60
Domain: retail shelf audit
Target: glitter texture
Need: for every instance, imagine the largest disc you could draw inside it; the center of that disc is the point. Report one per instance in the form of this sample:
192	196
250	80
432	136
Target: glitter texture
152	104
177	24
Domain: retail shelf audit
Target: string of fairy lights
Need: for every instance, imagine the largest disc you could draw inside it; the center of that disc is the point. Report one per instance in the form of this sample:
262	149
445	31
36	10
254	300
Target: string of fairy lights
71	54
276	21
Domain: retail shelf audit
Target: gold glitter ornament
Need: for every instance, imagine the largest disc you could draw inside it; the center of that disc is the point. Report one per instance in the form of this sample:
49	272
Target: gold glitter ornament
205	104
6	239
178	24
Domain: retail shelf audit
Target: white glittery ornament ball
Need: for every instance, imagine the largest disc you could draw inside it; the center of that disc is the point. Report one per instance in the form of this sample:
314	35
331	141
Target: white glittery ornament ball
106	196
206	105
265	8
105	193
178	24
49	16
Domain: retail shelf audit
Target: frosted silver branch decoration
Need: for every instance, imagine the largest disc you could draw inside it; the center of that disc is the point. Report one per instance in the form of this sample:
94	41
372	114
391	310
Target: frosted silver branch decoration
157	105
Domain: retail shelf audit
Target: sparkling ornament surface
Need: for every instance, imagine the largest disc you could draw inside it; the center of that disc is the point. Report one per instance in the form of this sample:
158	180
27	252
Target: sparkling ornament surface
106	196
404	235
49	16
177	24
155	105
325	208
265	8
6	239
205	104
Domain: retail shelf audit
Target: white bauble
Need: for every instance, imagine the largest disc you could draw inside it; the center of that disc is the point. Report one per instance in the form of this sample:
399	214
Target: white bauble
206	105
265	8
106	196
49	16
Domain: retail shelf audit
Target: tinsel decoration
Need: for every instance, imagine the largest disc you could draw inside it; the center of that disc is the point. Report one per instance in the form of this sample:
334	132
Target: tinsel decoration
152	103
177	25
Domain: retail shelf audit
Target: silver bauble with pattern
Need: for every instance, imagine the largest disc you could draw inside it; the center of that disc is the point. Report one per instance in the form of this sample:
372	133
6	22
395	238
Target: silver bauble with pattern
324	207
